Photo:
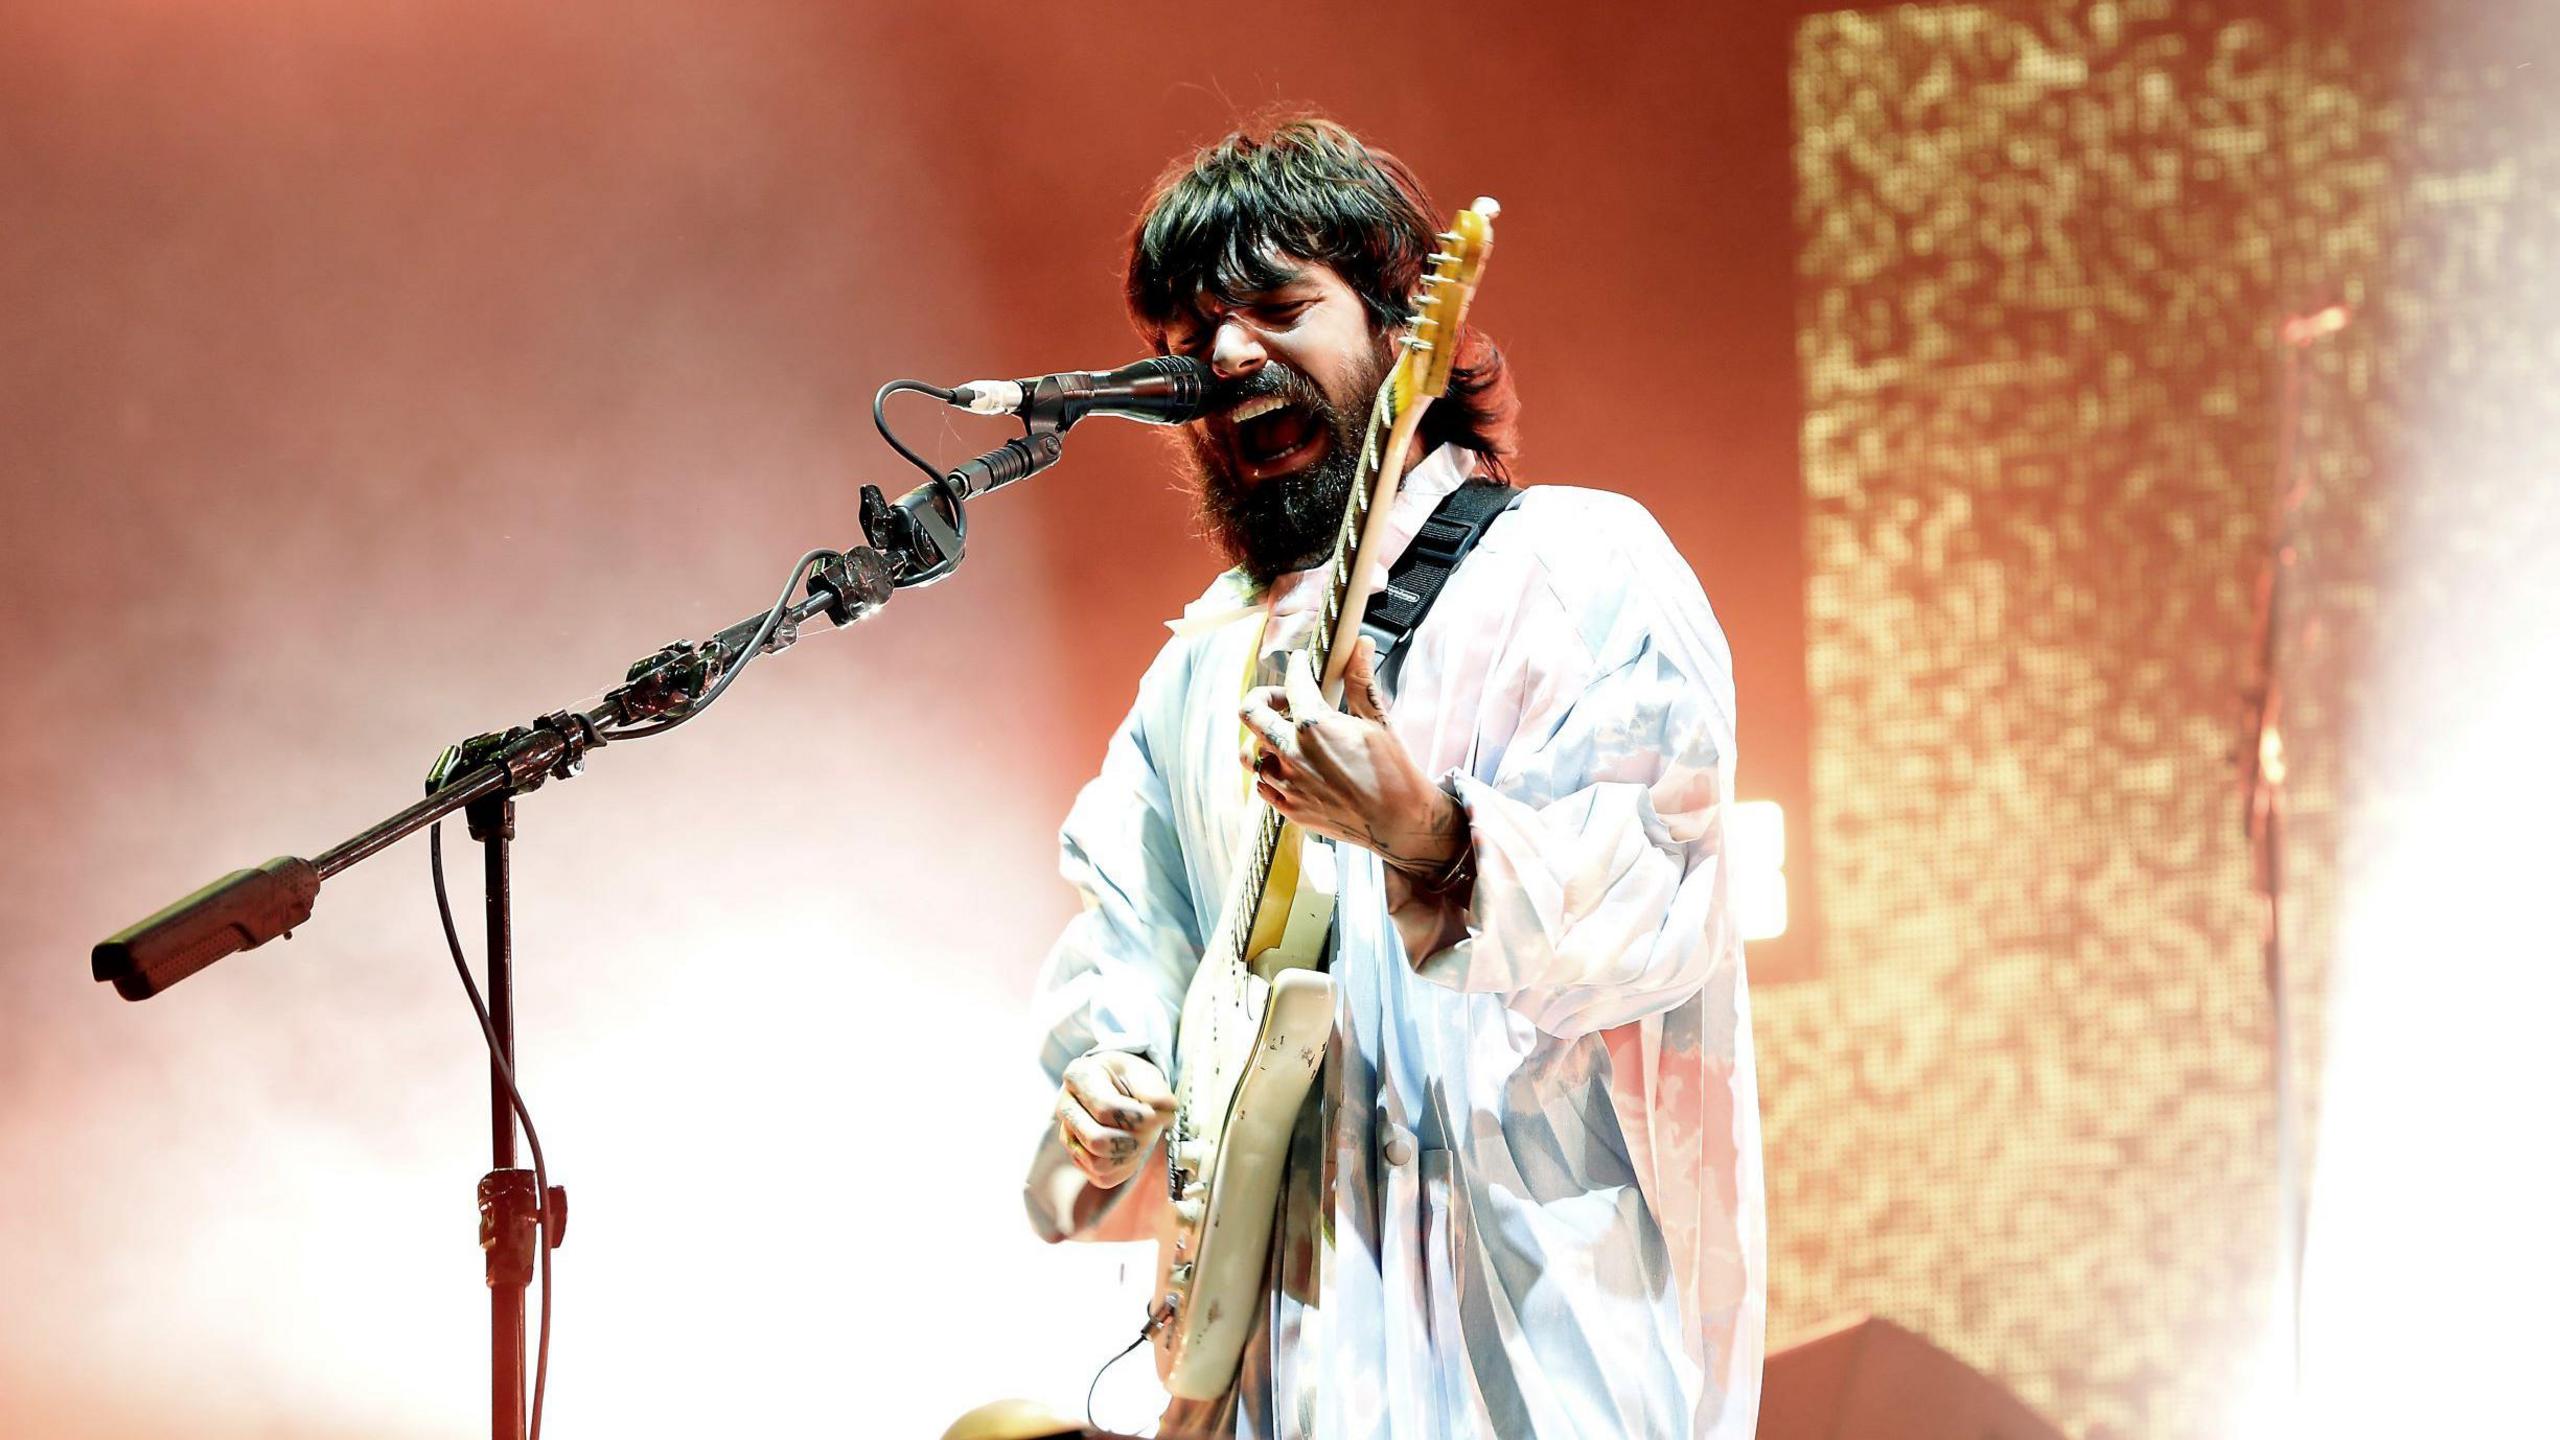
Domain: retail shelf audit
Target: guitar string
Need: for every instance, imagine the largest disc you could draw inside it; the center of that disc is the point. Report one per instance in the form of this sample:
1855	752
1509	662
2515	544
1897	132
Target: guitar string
1355	518
1383	415
1382	419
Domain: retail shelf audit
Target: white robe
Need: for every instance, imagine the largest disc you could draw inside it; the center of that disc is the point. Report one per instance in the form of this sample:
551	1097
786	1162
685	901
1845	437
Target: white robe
1531	1201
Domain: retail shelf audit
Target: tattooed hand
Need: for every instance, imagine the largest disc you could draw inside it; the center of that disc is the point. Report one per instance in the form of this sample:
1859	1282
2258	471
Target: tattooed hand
1342	773
1110	1110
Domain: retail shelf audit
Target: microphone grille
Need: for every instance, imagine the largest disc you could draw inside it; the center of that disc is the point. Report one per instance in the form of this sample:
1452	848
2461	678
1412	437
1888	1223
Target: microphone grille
1181	367
1190	379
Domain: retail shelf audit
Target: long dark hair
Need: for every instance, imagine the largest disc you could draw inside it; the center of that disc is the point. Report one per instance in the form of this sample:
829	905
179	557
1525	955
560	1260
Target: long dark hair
1227	223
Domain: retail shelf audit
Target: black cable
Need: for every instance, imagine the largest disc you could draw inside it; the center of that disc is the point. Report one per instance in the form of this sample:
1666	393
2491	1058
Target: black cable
453	937
755	647
515	1099
1106	1369
480	1007
880	418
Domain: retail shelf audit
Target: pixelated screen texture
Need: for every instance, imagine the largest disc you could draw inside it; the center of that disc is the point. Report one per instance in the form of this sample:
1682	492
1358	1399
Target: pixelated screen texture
2045	250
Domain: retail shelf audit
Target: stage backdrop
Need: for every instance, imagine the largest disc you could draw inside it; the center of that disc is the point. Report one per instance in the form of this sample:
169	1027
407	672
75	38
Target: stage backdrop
2046	251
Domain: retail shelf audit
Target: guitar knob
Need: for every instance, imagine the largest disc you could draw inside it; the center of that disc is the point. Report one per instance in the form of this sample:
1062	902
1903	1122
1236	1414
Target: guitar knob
1180	1275
1190	1211
1191	1156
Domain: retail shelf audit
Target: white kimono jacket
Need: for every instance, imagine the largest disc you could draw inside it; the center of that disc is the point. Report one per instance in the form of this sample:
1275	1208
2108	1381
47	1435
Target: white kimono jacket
1530	1203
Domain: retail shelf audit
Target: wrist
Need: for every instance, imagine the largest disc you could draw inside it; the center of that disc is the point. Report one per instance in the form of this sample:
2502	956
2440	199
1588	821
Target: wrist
1433	832
1449	869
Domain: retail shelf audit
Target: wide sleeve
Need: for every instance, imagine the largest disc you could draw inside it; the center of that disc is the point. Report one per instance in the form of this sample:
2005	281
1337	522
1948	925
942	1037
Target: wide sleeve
1116	976
1600	893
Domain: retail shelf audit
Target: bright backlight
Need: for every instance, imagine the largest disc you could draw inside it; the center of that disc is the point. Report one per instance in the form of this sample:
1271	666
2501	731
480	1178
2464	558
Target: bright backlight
1756	834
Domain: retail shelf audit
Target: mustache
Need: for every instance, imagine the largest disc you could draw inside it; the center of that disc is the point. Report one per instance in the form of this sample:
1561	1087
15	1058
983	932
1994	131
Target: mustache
1274	378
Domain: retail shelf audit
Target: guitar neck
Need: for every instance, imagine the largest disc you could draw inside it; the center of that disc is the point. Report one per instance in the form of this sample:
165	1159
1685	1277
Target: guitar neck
1420	373
1364	524
1382	449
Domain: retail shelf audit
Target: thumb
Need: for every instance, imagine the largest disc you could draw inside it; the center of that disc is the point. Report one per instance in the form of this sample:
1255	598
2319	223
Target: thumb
1306	697
1360	694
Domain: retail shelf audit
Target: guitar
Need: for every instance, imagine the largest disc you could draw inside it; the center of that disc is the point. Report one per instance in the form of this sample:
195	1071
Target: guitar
1259	1011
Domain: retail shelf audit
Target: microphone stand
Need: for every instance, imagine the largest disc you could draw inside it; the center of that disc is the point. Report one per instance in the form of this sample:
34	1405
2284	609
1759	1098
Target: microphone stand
2262	811
913	541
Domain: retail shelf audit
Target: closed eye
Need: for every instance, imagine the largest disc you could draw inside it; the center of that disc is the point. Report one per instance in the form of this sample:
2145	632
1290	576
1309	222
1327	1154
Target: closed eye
1185	339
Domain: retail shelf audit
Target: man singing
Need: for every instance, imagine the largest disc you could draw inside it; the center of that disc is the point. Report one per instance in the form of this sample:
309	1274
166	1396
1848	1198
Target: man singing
1527	1199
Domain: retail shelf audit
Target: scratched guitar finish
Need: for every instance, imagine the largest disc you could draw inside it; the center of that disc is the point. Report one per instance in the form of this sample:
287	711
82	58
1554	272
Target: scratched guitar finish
1259	1012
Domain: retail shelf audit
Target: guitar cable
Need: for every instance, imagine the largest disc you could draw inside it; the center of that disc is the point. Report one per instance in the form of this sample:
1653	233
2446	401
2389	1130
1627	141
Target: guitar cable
1089	1390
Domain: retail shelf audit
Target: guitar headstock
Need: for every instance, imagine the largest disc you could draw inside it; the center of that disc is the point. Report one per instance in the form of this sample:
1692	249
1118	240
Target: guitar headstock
1448	285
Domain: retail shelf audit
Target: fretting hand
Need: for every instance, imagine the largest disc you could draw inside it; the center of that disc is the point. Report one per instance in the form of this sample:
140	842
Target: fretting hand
1342	773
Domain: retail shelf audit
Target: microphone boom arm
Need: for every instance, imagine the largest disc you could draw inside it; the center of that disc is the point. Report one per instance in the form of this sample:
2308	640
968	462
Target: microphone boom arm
915	540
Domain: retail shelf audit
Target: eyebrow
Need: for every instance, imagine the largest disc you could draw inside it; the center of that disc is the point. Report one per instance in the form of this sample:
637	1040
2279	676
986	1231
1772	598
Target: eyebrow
1290	281
1191	314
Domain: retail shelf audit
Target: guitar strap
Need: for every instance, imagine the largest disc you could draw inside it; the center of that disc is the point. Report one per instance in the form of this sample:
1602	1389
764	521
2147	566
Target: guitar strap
1415	581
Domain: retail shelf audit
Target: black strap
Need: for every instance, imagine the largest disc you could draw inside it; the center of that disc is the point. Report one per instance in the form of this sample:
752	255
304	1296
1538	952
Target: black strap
1415	581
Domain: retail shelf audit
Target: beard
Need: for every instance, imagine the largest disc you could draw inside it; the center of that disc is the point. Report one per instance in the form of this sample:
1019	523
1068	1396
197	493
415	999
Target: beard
1287	522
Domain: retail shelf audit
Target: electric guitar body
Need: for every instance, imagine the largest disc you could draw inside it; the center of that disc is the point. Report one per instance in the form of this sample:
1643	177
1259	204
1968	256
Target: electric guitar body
1259	1013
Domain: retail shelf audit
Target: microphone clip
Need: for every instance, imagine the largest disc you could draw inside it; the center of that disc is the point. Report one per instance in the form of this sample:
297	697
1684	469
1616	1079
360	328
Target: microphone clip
925	532
926	529
1042	442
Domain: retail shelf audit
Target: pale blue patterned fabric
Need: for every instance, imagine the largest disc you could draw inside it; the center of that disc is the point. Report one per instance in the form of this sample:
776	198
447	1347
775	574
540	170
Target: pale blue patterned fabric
1530	1203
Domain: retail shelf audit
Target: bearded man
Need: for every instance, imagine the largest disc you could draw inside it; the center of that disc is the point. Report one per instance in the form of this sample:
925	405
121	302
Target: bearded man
1526	1197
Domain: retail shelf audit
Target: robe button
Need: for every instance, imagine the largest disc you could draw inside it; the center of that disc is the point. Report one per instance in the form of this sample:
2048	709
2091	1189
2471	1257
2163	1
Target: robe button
1399	1146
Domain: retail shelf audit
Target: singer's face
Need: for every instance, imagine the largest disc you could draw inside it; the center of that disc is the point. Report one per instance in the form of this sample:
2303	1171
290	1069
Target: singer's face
1297	367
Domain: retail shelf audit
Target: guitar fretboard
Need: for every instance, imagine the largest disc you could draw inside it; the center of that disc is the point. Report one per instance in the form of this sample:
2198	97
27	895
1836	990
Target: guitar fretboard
1346	559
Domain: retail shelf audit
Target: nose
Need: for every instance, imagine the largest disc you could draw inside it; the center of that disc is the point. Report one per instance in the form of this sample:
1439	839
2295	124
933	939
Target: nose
1236	352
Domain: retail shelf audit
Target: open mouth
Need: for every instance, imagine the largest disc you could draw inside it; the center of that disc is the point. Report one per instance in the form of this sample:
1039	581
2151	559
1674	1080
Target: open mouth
1274	437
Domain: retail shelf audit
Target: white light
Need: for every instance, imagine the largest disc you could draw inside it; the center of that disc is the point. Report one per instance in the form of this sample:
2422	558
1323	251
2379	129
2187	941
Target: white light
1756	846
1760	905
1756	835
2431	1199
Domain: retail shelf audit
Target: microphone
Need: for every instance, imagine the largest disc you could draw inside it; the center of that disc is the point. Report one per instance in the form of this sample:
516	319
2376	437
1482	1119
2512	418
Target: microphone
1159	390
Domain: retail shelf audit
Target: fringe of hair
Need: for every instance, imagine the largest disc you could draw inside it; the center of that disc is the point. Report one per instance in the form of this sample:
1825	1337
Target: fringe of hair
1232	220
